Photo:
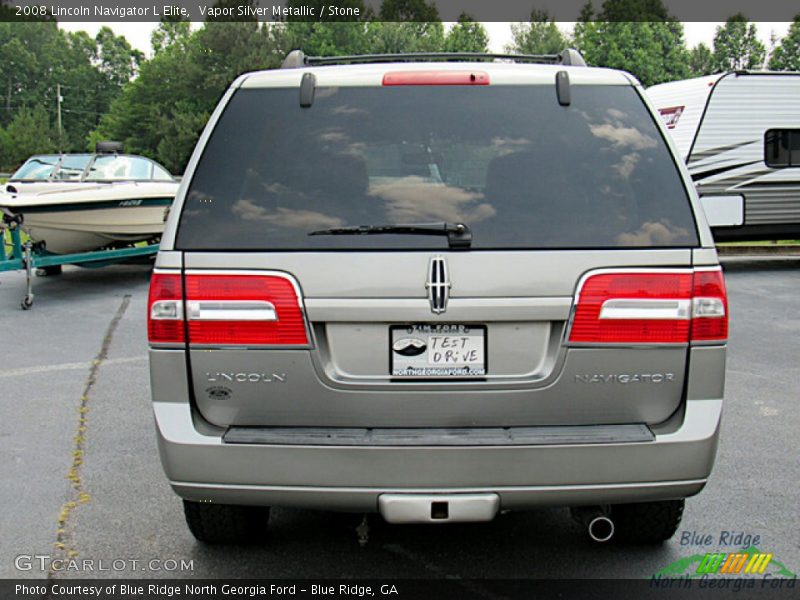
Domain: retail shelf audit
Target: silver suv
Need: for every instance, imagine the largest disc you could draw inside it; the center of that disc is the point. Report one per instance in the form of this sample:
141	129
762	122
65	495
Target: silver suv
436	288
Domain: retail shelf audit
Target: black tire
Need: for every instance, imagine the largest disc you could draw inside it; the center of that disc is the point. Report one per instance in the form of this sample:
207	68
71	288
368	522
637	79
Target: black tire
225	523
49	271
647	522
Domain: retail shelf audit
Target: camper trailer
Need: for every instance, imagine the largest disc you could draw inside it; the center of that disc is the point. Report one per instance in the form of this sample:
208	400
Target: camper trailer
739	134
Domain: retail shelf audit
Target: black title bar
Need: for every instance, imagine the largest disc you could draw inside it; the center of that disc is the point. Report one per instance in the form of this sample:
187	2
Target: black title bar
405	589
338	10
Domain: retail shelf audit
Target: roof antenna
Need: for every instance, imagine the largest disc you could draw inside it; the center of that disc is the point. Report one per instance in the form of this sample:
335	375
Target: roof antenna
307	86
562	88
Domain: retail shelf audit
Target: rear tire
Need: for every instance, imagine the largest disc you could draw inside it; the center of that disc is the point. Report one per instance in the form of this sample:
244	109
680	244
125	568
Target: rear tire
226	523
647	522
49	271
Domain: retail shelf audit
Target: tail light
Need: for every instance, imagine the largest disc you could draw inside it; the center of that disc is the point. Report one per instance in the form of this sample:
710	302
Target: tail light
243	309
165	309
655	307
240	309
709	306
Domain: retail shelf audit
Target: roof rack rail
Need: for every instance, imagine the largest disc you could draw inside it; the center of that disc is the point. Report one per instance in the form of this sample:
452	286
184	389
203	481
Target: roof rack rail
296	58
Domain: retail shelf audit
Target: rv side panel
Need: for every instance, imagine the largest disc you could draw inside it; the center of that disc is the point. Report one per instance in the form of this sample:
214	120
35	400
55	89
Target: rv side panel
681	105
728	157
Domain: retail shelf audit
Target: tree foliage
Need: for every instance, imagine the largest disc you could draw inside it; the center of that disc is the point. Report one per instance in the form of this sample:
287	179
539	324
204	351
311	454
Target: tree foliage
701	61
736	45
158	106
638	36
385	37
406	26
169	33
329	37
652	51
466	36
161	113
633	11
786	56
29	132
36	58
408	10
540	35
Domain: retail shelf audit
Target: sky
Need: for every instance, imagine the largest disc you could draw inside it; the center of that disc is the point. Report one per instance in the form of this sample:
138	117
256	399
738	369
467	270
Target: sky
138	34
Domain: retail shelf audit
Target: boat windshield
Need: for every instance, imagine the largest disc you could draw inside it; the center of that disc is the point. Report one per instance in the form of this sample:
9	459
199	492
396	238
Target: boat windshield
46	167
37	168
125	168
72	167
90	167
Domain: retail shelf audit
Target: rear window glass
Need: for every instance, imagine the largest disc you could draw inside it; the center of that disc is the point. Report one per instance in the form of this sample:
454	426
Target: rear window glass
508	161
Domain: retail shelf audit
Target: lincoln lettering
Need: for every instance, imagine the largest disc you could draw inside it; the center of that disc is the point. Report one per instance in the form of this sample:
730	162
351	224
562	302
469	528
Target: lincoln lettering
247	377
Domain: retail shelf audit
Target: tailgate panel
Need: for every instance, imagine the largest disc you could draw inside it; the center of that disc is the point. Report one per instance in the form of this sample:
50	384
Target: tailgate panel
351	300
577	392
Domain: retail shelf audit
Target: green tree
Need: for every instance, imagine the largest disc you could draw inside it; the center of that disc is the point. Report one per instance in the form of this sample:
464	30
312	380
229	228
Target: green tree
786	56
139	116
406	26
24	47
15	63
86	93
652	51
320	38
701	60
37	59
466	36
225	50
639	37
328	37
634	11
392	37
182	128
736	45
540	35
28	133
5	148
161	112
408	10
170	33
117	61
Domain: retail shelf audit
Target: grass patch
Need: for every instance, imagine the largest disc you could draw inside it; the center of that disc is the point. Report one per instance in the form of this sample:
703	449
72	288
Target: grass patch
762	243
3	180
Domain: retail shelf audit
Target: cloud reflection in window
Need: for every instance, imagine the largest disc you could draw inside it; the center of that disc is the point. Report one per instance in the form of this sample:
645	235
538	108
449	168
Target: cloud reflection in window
413	199
283	217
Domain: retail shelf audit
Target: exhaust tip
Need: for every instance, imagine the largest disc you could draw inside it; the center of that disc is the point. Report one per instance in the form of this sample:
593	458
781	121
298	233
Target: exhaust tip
601	529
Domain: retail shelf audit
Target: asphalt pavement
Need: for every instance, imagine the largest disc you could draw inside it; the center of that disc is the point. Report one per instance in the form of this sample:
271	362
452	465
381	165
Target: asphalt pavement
82	479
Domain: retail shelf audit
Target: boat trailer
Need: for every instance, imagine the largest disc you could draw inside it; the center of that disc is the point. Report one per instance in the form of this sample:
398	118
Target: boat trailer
16	255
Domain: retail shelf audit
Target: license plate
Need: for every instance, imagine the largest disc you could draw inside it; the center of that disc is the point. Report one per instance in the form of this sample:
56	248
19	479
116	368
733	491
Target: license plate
437	350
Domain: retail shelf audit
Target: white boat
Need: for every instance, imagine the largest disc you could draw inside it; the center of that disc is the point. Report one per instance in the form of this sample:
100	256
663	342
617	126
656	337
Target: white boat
83	202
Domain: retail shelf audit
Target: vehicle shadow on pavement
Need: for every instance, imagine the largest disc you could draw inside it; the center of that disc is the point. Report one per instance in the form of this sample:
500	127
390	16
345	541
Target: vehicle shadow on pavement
544	543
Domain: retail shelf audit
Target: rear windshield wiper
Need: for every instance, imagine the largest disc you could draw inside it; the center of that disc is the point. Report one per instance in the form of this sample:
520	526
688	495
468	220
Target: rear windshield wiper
458	234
